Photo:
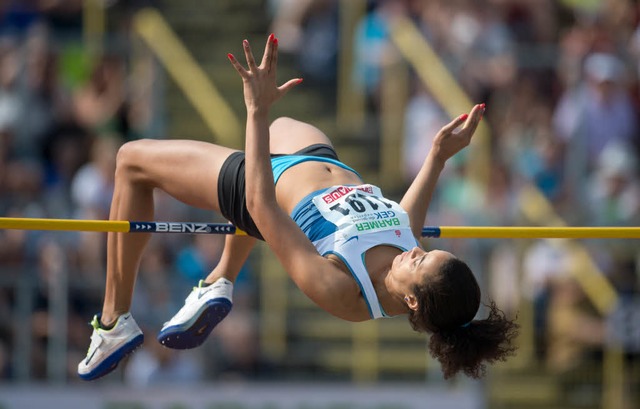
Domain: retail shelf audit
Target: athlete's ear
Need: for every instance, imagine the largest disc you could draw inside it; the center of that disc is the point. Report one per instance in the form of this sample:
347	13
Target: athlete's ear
412	302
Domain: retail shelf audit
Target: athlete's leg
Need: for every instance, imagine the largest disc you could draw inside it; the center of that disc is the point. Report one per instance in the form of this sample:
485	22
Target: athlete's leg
286	136
235	254
186	170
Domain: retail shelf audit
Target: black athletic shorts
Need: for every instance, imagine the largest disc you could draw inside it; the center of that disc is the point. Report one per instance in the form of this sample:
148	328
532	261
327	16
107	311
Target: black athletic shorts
232	192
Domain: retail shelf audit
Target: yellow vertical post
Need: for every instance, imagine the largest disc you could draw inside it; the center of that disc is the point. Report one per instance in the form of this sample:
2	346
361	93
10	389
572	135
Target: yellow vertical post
273	300
93	26
365	350
394	94
613	378
350	103
526	340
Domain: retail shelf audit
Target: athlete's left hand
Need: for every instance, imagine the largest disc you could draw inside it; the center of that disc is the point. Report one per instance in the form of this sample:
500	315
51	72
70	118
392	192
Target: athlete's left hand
259	82
450	141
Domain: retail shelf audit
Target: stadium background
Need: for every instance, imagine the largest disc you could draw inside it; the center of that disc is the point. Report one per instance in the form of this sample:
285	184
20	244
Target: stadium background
560	145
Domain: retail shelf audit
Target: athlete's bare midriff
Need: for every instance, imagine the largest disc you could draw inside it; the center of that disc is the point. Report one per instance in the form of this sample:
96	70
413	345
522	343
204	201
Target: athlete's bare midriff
306	177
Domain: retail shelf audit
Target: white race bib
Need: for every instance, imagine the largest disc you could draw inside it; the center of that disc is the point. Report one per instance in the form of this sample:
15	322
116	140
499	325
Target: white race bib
360	210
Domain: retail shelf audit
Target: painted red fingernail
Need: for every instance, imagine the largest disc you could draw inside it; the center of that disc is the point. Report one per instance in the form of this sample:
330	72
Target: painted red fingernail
271	37
299	80
464	117
230	56
482	105
275	41
245	42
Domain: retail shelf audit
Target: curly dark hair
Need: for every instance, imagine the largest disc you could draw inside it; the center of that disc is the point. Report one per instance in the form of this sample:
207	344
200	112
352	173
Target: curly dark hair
447	303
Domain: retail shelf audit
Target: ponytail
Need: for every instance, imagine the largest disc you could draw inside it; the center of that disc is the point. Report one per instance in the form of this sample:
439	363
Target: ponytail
468	349
447	303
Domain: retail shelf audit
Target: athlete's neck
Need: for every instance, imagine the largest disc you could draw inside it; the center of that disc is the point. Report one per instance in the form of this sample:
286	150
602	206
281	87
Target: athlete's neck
378	261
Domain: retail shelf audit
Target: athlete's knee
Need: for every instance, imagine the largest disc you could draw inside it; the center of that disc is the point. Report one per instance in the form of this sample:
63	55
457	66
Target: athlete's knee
282	122
130	160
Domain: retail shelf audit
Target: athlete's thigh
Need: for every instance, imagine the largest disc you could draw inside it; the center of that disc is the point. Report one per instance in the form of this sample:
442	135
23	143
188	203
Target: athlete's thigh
288	135
187	170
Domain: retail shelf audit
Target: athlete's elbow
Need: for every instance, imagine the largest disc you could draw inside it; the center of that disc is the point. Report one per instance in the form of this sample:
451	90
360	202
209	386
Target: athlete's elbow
259	206
253	198
251	202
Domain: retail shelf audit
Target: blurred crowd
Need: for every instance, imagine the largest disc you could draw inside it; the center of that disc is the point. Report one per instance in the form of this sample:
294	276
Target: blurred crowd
560	80
64	113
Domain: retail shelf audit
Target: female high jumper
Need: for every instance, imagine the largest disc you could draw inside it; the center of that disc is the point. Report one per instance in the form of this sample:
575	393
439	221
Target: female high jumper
352	251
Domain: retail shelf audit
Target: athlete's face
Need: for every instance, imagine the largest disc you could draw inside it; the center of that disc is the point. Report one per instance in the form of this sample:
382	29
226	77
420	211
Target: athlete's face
413	267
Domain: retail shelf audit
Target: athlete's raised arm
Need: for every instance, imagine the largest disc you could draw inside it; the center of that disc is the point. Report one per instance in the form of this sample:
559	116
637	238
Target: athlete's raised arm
447	143
319	278
260	92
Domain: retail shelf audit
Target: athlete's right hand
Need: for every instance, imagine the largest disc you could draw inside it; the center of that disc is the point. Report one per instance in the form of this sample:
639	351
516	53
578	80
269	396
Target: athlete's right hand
450	141
259	82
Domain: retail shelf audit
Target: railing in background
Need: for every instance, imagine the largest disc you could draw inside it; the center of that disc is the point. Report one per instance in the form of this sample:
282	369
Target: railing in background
24	300
445	89
598	289
197	87
24	286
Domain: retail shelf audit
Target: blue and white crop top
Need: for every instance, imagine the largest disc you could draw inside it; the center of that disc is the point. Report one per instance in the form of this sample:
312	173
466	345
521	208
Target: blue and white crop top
349	220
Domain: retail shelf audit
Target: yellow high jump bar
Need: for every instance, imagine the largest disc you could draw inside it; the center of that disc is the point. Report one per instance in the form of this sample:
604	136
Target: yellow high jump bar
525	232
516	232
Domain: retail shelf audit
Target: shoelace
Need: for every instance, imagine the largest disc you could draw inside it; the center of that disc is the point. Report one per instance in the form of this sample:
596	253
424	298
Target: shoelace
200	285
96	337
195	288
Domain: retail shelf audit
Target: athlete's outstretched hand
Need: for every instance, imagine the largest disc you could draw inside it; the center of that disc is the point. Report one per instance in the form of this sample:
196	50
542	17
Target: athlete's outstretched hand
259	81
450	141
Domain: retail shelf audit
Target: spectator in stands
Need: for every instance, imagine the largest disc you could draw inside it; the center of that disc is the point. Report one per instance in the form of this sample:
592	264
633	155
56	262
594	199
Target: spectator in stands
544	264
599	111
100	105
614	191
9	93
309	29
43	100
594	114
373	49
576	332
423	118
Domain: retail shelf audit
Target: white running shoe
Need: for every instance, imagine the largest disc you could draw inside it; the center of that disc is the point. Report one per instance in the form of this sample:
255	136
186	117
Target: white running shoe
203	309
109	347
